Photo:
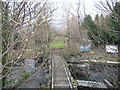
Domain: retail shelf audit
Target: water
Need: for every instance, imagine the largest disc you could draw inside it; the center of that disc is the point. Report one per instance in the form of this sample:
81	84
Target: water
96	72
35	81
29	65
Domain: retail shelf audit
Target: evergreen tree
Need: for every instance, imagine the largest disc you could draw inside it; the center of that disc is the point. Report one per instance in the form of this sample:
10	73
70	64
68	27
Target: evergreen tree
92	30
96	19
114	23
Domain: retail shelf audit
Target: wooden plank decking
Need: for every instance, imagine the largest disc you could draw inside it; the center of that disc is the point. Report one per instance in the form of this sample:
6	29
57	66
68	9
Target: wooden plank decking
59	74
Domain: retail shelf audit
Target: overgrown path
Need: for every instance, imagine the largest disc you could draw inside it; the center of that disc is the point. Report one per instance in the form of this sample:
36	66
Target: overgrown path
60	77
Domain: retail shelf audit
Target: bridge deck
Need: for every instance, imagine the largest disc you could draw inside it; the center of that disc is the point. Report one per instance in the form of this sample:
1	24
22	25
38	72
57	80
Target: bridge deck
59	74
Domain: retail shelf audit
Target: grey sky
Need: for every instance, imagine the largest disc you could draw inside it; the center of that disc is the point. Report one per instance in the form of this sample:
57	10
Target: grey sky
59	15
71	5
89	9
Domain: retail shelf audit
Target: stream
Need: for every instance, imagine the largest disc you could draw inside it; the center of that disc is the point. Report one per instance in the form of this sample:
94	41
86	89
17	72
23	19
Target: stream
93	71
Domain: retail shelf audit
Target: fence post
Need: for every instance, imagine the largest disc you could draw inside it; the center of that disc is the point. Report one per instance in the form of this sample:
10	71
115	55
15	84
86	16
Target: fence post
118	59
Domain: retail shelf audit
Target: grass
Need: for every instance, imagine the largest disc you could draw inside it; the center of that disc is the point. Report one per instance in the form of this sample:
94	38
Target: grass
32	48
57	43
75	82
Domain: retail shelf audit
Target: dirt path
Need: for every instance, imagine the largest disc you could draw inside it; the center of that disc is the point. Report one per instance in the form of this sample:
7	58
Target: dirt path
57	51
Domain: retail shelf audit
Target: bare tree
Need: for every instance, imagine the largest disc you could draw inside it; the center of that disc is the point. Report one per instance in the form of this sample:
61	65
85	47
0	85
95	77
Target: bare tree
74	24
20	23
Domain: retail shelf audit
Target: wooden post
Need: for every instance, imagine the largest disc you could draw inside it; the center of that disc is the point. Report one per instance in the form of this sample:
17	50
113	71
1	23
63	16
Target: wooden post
119	63
118	59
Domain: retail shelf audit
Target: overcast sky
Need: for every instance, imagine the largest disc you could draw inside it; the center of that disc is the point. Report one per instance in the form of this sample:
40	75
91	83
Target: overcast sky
71	5
89	9
59	15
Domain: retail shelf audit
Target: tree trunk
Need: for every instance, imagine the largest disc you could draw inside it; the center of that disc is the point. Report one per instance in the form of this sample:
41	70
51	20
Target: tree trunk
119	59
